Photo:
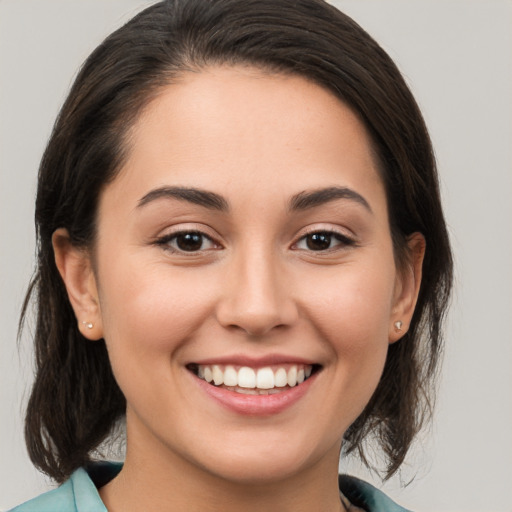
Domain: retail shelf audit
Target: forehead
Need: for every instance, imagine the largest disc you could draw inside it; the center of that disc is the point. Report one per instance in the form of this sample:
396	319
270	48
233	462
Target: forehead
237	124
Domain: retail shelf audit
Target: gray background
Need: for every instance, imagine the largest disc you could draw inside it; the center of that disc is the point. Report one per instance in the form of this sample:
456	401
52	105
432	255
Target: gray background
457	57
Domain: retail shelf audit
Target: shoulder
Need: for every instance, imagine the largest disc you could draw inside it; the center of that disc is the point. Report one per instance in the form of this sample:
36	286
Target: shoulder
78	494
367	497
57	500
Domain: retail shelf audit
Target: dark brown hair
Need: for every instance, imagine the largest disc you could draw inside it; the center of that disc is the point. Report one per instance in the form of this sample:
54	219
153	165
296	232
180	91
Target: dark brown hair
75	400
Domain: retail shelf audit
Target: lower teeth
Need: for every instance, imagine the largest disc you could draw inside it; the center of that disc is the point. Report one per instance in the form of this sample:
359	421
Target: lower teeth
255	391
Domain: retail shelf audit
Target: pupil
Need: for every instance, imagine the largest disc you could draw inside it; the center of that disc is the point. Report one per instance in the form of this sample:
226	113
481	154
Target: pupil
318	241
189	241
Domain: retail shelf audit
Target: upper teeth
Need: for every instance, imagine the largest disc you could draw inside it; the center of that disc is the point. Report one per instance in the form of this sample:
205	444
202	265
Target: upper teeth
250	378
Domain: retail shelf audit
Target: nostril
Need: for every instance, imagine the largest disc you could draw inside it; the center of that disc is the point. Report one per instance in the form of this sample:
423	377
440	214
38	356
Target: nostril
255	307
253	329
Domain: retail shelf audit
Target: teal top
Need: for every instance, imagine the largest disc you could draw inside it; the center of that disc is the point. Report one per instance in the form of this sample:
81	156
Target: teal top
80	493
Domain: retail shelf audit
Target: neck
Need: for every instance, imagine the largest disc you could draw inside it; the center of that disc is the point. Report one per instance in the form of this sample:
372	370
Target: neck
159	480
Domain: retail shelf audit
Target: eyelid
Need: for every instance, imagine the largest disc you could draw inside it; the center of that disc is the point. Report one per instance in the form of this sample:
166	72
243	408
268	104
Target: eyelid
164	239
346	240
170	236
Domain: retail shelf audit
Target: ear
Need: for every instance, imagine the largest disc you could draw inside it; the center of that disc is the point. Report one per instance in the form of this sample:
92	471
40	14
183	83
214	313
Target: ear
75	268
407	287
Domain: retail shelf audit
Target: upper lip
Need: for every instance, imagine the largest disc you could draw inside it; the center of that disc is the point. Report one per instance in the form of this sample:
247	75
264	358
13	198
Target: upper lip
254	362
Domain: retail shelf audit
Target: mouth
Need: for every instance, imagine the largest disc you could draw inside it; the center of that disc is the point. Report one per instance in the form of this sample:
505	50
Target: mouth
266	380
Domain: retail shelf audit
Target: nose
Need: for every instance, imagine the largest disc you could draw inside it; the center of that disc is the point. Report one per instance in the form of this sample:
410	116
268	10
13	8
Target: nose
257	295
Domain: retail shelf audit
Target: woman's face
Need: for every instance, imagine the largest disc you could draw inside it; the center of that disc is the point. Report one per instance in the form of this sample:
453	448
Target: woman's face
246	238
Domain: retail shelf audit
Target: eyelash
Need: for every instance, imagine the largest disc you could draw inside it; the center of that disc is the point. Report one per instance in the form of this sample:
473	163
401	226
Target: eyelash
344	241
165	241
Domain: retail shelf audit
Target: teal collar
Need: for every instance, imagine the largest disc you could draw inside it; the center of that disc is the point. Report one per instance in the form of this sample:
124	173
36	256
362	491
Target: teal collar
80	493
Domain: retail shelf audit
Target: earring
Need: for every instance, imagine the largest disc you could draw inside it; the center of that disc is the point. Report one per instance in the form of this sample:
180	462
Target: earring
398	326
89	325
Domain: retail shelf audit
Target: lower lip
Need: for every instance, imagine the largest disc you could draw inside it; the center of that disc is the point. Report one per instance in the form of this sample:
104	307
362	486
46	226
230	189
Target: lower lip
256	405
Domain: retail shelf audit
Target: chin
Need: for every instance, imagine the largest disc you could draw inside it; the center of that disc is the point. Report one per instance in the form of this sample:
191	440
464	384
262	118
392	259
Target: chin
257	470
264	459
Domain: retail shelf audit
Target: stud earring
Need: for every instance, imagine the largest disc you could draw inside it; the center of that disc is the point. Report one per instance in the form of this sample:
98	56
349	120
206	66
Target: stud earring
89	325
398	326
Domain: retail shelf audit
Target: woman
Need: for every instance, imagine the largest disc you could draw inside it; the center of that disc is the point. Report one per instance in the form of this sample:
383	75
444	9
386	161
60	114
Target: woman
242	251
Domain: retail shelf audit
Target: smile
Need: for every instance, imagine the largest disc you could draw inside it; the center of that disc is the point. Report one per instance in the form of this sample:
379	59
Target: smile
254	381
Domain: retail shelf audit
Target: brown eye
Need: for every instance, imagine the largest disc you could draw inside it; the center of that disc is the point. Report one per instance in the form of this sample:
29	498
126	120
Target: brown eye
318	241
324	241
187	241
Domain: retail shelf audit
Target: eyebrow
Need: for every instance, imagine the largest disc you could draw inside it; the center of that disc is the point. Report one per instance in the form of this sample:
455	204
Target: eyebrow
299	202
204	198
310	199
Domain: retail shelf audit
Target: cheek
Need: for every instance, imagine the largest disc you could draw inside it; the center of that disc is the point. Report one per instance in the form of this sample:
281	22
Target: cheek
353	308
148	318
151	308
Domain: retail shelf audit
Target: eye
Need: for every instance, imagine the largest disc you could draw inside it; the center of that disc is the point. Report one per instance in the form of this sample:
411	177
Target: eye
323	241
187	241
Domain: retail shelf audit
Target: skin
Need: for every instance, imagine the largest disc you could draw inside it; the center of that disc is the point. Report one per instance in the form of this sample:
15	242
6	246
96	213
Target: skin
255	288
